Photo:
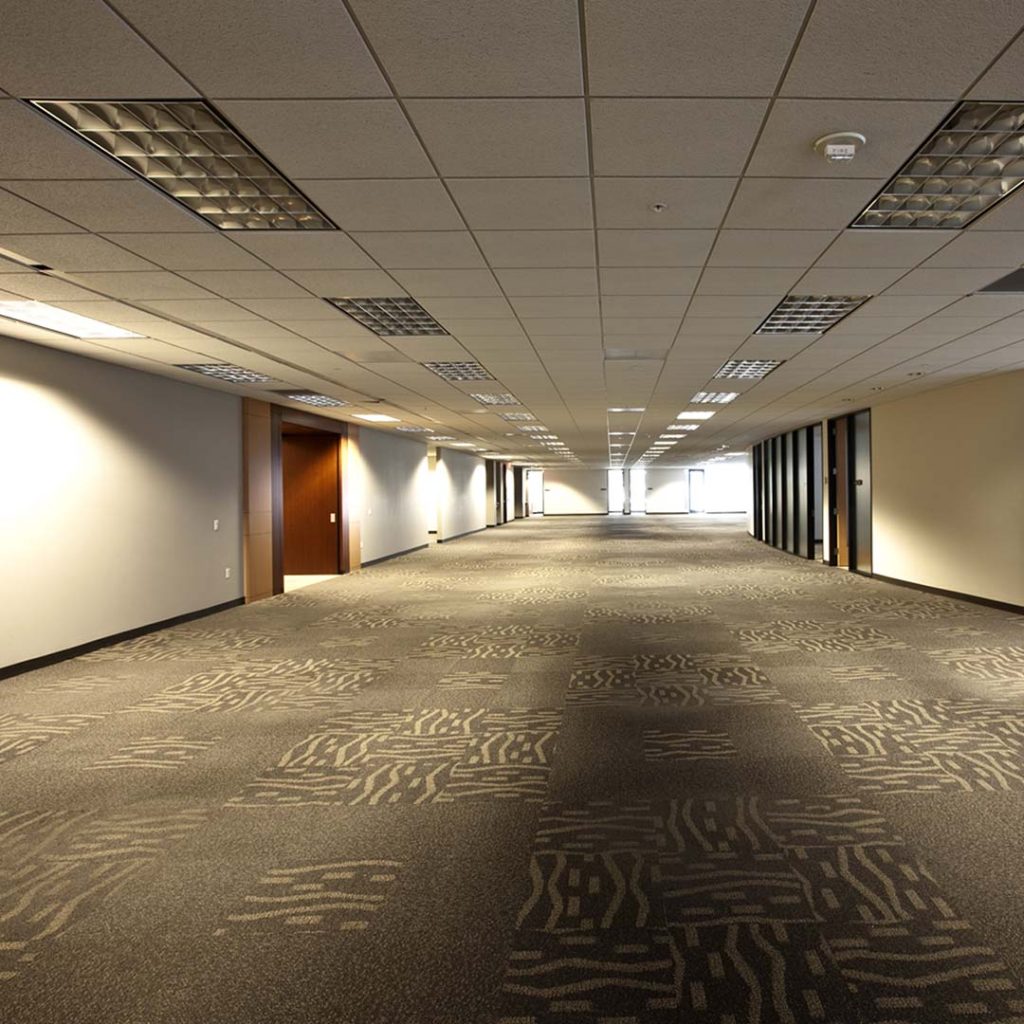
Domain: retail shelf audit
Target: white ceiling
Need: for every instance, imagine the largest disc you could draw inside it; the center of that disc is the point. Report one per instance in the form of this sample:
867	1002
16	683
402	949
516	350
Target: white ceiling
498	160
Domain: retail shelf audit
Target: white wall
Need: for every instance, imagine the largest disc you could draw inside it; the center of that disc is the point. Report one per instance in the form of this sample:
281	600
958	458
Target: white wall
395	497
110	480
727	485
575	491
948	490
668	490
461	492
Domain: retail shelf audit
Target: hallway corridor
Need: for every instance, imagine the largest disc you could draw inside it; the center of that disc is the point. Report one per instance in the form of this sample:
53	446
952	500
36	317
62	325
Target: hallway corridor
630	770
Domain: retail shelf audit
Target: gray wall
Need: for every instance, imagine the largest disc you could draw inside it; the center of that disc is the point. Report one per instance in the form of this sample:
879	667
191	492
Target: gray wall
461	493
575	492
395	494
110	481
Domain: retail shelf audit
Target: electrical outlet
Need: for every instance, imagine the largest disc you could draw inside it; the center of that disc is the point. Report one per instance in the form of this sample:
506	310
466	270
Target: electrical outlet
227	572
216	525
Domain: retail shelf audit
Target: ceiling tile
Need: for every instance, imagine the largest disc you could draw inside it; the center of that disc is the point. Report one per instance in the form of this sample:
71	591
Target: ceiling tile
846	281
793	203
347	283
331	138
246	284
444	308
142	285
548	281
643	306
1004	249
537	248
305	250
942	282
648	280
339	326
557	306
552	326
44	287
524	202
673	137
893	130
654	248
503	138
425	282
413	249
180	251
882	248
747	281
79	251
81	48
17	215
688	202
237	48
768	248
296	310
128	205
476	47
664	48
396	204
852	49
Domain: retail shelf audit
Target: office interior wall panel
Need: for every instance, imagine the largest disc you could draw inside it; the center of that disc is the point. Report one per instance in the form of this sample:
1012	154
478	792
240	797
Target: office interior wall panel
570	492
668	490
112	480
461	484
948	490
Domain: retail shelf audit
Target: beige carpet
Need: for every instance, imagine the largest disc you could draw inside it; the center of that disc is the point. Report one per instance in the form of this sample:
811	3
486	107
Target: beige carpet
628	770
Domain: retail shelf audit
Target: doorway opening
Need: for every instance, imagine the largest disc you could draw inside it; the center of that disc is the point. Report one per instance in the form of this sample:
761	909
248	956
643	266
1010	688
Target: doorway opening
696	489
616	491
535	491
638	491
849	461
310	506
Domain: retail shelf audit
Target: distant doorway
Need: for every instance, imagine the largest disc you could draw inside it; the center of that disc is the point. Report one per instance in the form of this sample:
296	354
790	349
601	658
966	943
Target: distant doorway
311	503
696	482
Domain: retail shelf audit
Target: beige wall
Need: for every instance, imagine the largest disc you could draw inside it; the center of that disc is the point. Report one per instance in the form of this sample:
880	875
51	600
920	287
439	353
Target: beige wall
110	482
948	488
575	491
461	489
668	490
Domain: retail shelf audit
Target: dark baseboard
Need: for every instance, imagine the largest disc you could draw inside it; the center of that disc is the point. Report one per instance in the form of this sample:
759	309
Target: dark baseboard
445	540
396	554
1004	606
570	514
45	660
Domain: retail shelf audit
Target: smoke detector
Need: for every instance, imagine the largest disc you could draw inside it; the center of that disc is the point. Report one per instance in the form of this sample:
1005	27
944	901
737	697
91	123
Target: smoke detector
838	147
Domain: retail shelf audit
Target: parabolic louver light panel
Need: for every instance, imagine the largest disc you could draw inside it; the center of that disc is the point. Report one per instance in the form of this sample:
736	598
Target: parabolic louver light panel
228	372
313	398
390	316
748	369
809	314
504	398
972	161
459	371
186	149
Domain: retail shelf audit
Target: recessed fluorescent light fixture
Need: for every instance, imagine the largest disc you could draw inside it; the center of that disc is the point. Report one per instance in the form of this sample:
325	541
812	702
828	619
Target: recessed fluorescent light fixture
459	371
621	408
375	417
227	372
972	161
748	369
390	316
518	417
715	397
809	314
683	426
39	314
187	150
440	437
313	398
531	428
500	399
414	430
696	415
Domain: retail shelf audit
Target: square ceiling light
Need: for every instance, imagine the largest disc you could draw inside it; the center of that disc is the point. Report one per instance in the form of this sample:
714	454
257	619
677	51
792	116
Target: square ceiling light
973	160
518	417
748	369
60	321
228	372
390	317
459	371
313	398
187	150
500	399
695	414
414	430
715	397
809	314
376	417
532	428
683	426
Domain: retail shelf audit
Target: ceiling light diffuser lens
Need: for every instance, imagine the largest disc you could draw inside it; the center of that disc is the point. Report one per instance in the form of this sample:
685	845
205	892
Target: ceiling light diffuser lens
313	398
39	314
971	162
459	371
715	397
748	369
390	317
227	372
187	150
809	314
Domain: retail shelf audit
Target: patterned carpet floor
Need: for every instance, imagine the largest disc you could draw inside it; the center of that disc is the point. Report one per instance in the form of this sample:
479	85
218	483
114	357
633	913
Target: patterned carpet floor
630	770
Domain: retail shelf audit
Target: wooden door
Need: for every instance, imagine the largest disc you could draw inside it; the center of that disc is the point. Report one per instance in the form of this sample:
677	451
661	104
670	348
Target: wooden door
309	465
860	491
839	492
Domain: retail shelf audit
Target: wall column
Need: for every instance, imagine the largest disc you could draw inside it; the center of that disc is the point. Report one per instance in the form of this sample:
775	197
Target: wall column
257	501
